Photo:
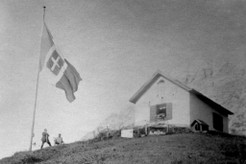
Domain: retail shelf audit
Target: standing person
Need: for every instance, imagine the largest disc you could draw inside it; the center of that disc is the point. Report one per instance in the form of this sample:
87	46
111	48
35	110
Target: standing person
58	140
45	138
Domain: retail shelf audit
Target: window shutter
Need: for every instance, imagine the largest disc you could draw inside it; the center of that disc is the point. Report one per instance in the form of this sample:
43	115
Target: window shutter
169	111
153	113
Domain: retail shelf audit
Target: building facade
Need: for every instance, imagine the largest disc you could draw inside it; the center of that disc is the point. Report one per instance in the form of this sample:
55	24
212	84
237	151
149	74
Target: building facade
164	99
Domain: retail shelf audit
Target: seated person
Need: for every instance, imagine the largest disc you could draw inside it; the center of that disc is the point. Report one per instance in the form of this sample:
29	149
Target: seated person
58	140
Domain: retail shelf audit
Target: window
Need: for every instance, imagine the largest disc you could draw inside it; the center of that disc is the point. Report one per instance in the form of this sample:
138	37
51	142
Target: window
161	112
217	122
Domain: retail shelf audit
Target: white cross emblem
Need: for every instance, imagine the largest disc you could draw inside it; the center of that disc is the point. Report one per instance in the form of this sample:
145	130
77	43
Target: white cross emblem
55	63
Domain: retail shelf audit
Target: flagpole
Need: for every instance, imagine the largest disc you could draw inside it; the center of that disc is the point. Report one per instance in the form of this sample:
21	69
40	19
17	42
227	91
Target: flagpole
36	92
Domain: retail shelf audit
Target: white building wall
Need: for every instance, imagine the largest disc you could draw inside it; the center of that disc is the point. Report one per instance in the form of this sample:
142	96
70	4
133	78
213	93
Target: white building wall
200	110
166	92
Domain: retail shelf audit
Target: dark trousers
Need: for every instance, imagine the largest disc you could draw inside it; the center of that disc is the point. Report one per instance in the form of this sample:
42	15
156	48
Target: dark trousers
48	142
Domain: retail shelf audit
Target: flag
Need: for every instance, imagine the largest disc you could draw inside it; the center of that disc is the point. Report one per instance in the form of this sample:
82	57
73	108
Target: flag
69	81
67	75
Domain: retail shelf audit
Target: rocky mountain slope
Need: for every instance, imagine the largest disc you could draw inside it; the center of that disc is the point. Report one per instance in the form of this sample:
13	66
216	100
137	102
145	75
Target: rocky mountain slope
227	86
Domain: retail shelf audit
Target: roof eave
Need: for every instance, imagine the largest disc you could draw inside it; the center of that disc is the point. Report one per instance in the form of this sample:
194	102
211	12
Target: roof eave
151	81
158	74
203	97
144	88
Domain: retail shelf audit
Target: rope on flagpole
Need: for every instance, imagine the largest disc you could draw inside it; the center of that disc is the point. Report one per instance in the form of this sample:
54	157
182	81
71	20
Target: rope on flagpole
36	92
44	13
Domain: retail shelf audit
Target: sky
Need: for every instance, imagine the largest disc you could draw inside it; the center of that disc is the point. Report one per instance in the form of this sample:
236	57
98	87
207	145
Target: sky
115	45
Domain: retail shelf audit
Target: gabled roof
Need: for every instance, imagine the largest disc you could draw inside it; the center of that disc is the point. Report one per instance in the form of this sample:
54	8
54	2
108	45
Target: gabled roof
199	95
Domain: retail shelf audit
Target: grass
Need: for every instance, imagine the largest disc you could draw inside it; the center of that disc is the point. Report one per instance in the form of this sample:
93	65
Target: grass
174	149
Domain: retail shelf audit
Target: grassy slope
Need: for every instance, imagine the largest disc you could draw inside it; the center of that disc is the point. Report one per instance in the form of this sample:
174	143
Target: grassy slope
176	148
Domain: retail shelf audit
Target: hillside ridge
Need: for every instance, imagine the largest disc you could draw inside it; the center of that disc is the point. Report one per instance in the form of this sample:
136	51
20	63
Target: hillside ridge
175	148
